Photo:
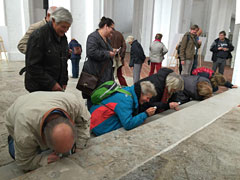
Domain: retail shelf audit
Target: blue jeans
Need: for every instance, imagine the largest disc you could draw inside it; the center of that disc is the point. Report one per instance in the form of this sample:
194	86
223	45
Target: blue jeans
75	67
11	149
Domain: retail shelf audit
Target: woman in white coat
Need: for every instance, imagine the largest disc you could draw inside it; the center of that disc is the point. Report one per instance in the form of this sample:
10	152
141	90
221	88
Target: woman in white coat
157	52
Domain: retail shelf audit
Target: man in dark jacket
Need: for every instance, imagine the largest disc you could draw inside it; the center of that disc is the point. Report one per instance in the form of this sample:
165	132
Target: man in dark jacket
137	57
221	48
47	54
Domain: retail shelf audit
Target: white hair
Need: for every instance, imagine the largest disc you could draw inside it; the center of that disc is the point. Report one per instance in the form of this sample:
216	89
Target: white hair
148	88
61	15
130	39
174	81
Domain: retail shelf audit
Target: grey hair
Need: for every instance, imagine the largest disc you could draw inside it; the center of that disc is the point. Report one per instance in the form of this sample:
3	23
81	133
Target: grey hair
61	15
48	130
51	9
174	81
130	39
148	88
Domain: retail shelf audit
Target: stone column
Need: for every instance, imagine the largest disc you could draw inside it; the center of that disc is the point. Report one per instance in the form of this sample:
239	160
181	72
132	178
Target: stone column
13	15
220	18
86	16
236	70
147	24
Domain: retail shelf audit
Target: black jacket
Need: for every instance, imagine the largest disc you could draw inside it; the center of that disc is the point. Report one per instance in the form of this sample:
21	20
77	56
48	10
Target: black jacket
98	57
46	60
137	55
190	90
214	49
159	81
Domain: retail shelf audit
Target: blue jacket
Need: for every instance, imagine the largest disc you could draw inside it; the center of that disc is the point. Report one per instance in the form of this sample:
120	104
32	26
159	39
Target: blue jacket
74	43
117	112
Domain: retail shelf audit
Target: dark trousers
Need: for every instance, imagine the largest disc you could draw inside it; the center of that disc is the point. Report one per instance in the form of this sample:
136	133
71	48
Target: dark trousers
75	67
220	64
121	79
195	63
11	149
180	66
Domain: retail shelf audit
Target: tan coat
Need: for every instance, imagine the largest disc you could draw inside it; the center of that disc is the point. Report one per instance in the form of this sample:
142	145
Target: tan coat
187	49
24	121
22	45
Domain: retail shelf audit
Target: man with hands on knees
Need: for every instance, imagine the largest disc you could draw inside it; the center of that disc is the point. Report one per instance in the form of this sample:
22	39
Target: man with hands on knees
44	126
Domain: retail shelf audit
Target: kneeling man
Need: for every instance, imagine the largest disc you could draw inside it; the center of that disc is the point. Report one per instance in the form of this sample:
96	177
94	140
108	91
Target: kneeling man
41	121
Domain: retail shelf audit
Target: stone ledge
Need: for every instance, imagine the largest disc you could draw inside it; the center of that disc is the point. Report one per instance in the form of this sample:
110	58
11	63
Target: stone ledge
112	155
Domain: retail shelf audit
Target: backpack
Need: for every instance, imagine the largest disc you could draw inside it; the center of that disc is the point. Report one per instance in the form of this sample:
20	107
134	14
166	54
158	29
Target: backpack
77	50
105	90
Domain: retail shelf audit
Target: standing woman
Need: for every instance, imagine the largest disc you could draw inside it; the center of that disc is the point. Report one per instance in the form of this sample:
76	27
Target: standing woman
157	52
100	54
137	57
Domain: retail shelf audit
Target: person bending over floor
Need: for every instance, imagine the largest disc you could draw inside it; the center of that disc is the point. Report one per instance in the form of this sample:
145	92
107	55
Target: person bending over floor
121	110
166	83
195	88
40	121
216	79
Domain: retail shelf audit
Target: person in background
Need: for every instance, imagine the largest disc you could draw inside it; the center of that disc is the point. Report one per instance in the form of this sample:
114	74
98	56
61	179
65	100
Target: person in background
221	48
137	57
22	45
166	83
76	51
195	62
216	79
187	49
121	110
42	125
117	41
157	52
47	54
100	54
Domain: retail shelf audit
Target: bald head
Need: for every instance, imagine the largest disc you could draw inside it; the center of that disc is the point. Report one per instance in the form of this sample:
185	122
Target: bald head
60	135
49	12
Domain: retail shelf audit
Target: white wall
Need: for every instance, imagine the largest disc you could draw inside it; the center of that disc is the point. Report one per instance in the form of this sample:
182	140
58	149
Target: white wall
123	15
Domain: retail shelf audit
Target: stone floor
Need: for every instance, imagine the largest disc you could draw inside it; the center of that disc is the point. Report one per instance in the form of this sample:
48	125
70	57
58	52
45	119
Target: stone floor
12	86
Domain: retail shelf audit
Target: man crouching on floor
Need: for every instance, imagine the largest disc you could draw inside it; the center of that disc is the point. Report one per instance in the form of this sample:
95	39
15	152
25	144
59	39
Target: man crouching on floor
42	127
121	110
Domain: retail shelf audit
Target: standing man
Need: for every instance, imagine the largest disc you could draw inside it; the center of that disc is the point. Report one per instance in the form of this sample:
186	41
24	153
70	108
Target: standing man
117	41
76	51
47	54
187	49
22	45
221	48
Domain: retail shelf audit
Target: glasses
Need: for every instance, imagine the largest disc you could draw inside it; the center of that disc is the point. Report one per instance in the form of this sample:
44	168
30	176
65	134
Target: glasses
112	28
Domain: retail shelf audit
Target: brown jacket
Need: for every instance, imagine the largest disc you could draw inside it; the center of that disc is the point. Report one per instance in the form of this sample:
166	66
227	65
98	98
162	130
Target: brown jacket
117	41
22	45
188	44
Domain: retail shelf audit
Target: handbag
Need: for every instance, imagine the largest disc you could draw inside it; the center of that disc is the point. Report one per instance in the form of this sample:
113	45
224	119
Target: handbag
87	83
